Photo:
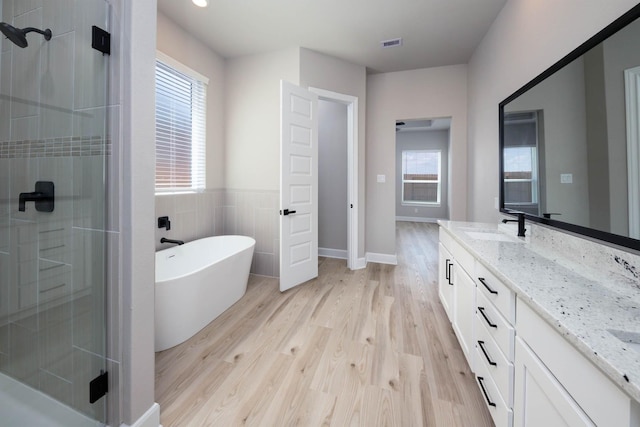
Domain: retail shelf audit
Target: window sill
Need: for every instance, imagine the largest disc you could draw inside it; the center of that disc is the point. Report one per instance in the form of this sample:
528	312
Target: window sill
421	205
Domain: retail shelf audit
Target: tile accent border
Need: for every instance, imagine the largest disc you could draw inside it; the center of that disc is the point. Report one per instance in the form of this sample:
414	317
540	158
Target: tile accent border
76	146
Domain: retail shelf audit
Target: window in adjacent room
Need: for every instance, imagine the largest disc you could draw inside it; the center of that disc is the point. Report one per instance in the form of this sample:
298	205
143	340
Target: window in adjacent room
521	161
421	177
180	127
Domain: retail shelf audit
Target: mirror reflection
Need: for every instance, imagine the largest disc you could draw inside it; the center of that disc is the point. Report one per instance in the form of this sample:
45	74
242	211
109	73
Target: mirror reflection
571	143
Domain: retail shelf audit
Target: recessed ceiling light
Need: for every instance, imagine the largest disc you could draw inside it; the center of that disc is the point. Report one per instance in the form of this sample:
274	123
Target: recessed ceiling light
201	3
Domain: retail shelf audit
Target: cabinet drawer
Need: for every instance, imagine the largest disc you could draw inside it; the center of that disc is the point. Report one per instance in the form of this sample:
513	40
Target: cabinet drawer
501	413
488	317
497	292
461	255
495	364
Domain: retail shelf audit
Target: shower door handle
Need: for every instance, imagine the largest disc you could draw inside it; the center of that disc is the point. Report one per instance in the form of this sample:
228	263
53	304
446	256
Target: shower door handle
43	197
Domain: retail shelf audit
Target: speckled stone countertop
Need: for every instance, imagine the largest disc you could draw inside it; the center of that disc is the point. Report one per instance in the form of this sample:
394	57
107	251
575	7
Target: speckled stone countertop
582	289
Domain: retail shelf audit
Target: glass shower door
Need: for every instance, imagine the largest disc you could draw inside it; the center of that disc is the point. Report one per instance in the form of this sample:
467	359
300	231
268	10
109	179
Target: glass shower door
54	153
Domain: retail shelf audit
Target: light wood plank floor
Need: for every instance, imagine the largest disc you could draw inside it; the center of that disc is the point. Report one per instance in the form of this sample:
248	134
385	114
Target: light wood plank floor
371	347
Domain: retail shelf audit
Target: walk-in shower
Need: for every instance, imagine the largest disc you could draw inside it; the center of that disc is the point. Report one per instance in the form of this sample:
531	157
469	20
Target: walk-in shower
55	152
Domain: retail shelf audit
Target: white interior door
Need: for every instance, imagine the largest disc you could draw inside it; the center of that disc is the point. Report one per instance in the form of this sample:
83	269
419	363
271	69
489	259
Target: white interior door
298	185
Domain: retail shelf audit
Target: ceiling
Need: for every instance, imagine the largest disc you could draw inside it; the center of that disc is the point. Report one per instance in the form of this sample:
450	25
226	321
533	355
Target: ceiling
435	32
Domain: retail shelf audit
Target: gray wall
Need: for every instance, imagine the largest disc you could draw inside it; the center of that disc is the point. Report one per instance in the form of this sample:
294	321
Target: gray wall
513	52
565	140
620	53
332	175
414	94
423	140
597	148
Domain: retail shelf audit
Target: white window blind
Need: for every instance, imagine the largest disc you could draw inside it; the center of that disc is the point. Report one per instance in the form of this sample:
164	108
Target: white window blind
180	130
421	170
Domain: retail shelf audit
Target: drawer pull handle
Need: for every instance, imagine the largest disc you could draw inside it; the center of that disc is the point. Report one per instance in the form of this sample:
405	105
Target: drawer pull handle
484	391
449	270
492	291
493	325
446	269
491	362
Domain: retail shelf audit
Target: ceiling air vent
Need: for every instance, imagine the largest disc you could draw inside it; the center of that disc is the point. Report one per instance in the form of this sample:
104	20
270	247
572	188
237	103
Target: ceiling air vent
391	43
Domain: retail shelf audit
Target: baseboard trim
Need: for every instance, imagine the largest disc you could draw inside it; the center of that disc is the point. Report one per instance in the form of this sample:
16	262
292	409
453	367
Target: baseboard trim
382	258
360	263
151	418
332	253
416	219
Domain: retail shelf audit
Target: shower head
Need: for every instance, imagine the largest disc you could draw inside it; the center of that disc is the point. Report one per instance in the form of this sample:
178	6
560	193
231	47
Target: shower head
19	36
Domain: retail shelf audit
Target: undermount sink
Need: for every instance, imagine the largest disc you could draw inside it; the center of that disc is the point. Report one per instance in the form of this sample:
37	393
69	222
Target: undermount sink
490	235
631	339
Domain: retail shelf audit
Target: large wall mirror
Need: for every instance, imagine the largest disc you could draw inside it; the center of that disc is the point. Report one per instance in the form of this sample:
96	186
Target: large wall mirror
570	140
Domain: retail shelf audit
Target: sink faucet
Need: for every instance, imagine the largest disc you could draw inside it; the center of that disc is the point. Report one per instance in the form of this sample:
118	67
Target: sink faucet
520	221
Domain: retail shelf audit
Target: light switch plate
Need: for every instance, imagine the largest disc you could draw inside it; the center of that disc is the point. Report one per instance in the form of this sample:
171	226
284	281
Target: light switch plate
566	178
382	178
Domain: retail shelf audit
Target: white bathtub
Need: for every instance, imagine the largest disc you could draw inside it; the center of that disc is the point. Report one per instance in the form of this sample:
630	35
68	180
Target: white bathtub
196	282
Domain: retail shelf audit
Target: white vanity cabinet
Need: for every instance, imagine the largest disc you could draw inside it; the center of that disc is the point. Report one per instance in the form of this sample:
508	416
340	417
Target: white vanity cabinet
494	346
555	385
457	291
530	373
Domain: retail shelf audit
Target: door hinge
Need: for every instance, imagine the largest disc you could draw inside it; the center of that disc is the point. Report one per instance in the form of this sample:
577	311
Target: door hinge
99	386
101	40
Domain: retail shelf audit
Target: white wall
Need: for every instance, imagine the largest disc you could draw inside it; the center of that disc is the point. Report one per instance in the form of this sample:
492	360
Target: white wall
252	102
526	38
333	74
186	49
423	140
195	216
137	255
416	94
332	175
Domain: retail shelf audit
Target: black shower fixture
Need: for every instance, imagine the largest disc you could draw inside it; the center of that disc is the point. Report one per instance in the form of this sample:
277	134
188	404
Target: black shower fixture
19	36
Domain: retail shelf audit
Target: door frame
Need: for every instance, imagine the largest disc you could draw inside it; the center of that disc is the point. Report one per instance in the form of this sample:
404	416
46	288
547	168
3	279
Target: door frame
352	169
632	104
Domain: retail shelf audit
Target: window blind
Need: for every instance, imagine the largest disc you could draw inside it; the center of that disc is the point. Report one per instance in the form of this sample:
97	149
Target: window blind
180	130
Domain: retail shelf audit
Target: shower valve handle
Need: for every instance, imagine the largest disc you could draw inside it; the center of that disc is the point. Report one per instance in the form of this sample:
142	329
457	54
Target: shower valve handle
43	197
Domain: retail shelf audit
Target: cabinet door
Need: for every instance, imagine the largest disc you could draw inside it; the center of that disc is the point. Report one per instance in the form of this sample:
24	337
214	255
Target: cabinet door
540	400
464	295
445	282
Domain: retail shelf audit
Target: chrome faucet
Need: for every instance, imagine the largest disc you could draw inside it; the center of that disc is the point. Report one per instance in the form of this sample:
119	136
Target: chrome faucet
520	221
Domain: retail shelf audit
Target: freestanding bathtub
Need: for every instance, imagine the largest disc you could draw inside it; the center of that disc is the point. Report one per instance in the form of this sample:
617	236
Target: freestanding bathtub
196	282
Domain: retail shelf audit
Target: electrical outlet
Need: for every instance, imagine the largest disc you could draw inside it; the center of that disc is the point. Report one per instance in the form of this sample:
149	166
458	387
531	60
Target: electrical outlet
382	178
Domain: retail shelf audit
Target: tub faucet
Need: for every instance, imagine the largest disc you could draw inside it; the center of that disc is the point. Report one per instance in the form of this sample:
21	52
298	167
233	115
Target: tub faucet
175	242
520	221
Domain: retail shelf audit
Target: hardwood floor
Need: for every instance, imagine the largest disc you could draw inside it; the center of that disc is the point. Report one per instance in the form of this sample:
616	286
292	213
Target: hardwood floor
371	347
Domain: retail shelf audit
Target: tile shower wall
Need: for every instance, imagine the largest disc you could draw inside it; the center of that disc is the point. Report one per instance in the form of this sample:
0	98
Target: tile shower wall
212	213
53	105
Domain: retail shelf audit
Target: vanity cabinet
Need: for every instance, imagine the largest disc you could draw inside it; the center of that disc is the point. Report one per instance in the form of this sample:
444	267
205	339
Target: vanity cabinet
529	373
556	385
457	291
494	346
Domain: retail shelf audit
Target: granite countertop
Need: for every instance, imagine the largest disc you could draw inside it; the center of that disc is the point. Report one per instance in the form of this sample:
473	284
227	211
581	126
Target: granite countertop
580	300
